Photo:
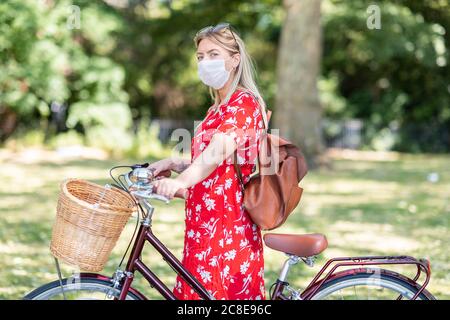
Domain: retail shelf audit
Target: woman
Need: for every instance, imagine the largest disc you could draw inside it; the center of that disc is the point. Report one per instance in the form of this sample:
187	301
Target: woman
223	247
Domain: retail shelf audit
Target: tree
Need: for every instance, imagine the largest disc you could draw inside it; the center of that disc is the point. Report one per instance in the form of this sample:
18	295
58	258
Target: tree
298	110
394	78
44	60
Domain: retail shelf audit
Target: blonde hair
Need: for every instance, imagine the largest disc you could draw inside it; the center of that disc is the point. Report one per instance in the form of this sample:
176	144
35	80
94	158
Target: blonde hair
245	75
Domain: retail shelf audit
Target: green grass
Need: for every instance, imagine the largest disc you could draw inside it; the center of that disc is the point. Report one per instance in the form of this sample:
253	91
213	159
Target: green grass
365	207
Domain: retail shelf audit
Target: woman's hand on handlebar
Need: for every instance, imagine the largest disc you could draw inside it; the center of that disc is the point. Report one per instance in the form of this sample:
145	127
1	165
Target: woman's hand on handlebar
161	168
170	188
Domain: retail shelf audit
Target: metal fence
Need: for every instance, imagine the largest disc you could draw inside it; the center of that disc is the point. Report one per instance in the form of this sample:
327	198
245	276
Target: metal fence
353	134
338	134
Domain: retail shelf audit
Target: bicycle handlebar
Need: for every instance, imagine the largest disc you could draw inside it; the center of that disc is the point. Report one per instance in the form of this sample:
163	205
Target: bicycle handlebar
140	178
165	173
181	193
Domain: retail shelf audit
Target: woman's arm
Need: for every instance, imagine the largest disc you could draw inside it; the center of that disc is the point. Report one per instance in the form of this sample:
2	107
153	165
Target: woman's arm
219	149
180	164
174	164
229	133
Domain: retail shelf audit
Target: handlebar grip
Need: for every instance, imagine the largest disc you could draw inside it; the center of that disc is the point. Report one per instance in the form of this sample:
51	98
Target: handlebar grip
165	173
181	193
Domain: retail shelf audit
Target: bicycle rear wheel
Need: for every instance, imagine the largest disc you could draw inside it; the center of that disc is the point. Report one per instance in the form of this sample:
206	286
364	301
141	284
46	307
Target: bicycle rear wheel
365	284
87	288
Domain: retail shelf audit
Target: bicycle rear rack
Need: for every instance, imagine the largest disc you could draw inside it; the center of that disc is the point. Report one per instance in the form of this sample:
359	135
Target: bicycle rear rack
422	265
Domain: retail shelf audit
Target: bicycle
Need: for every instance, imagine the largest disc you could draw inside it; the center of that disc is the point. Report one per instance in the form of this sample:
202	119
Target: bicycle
364	279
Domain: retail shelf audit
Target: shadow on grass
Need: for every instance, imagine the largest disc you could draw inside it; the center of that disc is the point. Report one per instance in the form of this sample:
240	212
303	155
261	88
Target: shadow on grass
364	208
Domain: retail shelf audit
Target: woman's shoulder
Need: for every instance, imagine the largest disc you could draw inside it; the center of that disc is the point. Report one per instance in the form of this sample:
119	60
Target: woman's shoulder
243	98
242	110
242	101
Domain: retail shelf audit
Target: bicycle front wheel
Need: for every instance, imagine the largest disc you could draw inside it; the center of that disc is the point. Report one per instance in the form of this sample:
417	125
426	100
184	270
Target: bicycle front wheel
365	284
85	288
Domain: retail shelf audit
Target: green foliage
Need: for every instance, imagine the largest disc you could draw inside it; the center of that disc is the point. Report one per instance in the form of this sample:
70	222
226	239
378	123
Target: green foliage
106	125
330	97
158	51
115	115
114	141
396	76
69	138
43	60
146	143
30	138
142	56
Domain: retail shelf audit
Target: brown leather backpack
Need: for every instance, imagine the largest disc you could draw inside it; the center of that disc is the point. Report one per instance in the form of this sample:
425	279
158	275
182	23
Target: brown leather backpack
271	195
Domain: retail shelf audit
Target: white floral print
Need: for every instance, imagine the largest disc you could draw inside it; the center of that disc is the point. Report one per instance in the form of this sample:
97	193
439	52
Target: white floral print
223	247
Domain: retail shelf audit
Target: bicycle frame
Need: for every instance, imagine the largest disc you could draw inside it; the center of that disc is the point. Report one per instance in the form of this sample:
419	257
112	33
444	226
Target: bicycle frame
422	265
135	263
333	264
145	234
122	280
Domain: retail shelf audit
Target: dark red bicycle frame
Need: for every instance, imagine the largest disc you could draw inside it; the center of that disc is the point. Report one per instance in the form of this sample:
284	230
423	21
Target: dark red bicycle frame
145	234
317	282
135	263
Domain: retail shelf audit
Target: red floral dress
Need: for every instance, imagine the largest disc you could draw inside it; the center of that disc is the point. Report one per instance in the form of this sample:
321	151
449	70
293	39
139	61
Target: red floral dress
223	248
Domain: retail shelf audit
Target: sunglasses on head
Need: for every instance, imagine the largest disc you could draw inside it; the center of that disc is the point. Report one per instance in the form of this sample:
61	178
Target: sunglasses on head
216	29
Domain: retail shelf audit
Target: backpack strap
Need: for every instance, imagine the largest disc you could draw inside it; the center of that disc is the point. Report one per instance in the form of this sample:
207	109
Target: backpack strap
236	166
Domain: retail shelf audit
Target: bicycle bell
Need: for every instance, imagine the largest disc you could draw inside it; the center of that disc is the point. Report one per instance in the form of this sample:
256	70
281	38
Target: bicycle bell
141	176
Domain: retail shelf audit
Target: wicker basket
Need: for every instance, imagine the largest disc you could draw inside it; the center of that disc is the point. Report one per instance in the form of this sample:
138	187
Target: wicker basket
89	221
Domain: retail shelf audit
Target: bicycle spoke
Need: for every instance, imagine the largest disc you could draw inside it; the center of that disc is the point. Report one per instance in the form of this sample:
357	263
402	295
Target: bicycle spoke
363	288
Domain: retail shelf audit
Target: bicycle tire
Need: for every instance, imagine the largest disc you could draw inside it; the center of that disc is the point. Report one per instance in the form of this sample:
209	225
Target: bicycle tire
49	290
386	278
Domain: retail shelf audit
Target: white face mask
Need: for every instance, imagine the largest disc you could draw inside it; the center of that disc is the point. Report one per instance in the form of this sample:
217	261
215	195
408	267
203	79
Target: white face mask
213	73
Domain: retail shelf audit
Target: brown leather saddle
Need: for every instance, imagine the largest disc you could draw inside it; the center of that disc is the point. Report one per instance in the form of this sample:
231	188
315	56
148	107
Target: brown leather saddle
301	245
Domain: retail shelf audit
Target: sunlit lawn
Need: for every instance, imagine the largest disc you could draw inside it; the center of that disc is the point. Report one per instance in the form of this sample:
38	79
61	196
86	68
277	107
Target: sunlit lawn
364	206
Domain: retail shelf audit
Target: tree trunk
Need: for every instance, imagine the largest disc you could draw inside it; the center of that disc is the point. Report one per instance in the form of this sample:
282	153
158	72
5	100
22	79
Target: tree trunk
8	122
298	110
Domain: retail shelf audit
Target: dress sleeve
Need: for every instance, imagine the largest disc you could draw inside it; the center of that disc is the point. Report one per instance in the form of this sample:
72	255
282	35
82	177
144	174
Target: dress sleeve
243	121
